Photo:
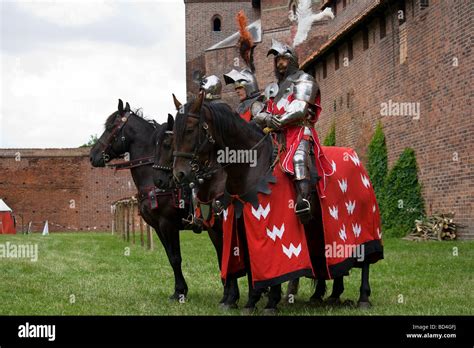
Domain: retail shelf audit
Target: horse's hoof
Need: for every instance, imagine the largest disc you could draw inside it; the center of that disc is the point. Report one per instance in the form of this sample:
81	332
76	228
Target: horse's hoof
333	301
270	311
176	297
228	306
364	305
316	301
348	303
249	310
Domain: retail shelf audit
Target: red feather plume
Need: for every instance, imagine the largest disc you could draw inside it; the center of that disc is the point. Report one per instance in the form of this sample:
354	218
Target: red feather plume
245	43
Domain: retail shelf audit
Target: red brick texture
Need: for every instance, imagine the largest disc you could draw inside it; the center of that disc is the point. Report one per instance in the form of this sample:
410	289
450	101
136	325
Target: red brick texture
199	33
437	74
42	185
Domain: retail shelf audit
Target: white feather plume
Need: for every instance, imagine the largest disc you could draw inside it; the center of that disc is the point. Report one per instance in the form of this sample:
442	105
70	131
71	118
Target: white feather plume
306	17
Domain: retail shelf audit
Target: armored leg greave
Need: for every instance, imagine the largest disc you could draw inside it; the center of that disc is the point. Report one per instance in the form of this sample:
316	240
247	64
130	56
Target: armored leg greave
302	180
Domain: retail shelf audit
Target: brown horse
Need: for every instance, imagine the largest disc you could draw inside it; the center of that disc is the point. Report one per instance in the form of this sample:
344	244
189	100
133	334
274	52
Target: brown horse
201	129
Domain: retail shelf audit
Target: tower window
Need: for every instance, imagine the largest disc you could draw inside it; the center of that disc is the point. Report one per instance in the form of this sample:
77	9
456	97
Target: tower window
350	50
383	27
216	23
365	38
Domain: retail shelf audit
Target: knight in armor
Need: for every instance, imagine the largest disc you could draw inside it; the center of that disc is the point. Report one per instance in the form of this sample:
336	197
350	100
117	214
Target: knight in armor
211	86
246	87
292	111
244	81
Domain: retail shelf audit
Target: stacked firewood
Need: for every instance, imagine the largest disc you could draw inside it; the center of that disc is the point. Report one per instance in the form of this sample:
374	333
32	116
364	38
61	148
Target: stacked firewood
435	227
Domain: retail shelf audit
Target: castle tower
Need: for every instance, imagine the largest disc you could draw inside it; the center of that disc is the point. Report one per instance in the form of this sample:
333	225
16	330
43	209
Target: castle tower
208	22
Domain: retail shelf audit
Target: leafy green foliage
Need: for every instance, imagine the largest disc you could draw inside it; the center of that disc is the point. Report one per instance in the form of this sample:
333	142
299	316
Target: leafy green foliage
93	139
330	139
377	161
402	201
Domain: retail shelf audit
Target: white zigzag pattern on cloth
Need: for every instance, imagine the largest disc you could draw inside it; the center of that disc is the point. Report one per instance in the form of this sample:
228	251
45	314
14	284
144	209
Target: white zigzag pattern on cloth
276	232
365	180
343	185
355	159
261	211
292	250
350	206
334	212
356	229
342	233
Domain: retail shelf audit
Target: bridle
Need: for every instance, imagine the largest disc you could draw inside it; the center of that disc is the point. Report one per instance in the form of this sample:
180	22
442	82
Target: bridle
201	171
207	170
117	130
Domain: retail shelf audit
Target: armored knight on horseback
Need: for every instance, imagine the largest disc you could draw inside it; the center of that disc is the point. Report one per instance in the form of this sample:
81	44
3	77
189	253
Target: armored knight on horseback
245	81
292	110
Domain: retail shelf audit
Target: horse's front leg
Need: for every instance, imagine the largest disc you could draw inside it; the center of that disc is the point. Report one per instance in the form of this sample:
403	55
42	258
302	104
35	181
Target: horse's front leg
320	291
274	297
254	296
292	290
364	287
231	288
169	236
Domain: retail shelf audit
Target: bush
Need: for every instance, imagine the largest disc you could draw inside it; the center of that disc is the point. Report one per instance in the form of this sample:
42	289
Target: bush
402	201
330	139
377	161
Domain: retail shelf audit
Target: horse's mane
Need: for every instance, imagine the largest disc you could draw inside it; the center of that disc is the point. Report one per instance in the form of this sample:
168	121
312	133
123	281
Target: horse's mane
137	112
224	118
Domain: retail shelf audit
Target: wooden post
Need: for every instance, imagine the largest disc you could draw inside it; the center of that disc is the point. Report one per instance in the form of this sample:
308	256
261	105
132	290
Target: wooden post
133	221
124	226
149	236
114	219
128	220
142	241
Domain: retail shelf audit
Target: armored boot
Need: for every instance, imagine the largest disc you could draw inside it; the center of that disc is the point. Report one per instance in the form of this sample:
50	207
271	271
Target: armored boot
302	180
303	205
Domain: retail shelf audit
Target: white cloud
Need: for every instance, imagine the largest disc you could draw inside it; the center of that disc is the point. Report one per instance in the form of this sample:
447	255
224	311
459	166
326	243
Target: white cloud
69	12
58	94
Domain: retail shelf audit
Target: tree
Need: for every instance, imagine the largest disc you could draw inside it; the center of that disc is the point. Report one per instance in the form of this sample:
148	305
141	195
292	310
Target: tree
330	139
93	139
377	161
402	200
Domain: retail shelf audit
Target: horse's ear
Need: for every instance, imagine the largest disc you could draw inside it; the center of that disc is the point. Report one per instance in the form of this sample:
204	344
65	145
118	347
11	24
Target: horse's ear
170	123
127	107
198	103
177	104
120	106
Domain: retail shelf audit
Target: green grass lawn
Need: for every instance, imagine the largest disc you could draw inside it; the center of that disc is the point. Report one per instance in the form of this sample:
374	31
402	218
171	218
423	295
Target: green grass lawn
93	268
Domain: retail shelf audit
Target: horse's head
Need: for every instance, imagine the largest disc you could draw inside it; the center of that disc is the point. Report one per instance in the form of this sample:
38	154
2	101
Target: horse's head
193	139
164	154
115	141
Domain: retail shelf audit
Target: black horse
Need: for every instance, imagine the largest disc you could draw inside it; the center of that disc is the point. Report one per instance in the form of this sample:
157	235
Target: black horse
127	132
196	123
207	189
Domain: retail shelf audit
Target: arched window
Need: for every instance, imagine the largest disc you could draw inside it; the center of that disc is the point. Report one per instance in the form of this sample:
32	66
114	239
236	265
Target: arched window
216	23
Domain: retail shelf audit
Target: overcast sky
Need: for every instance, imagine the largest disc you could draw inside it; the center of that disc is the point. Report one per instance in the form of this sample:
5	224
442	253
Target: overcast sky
65	63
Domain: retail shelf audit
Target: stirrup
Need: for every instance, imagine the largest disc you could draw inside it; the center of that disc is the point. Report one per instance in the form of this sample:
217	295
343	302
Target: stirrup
194	223
303	210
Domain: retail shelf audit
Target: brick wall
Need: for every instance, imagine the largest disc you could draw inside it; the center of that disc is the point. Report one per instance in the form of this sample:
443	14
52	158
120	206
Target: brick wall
437	37
43	183
443	136
199	33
